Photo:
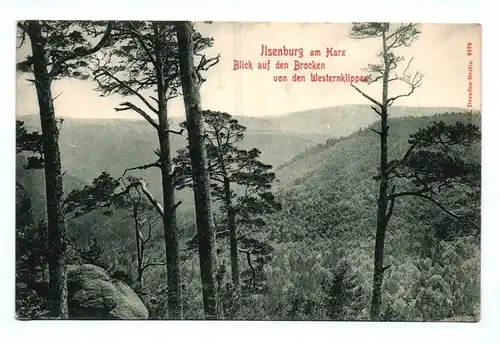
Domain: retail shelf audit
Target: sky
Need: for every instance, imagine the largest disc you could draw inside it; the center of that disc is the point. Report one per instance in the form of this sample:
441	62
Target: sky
440	53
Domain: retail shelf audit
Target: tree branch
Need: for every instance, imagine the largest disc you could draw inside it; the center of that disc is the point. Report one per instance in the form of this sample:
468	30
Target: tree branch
367	96
153	264
82	52
57	96
249	261
435	202
23	34
100	72
413	82
130	106
142	167
176	132
150	197
22	26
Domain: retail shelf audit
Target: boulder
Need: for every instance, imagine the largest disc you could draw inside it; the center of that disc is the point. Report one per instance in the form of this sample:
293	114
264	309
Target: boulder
129	305
92	294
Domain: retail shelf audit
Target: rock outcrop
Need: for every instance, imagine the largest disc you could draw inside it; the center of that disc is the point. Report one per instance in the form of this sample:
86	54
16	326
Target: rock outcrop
92	294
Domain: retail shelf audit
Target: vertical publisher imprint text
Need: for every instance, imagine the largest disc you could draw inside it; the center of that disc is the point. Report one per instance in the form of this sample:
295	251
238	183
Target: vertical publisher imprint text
469	76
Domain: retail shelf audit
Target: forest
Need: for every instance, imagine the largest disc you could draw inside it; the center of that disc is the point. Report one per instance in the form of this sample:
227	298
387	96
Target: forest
357	213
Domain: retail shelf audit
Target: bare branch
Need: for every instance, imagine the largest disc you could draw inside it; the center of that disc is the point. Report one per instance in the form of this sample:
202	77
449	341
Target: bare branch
413	81
130	106
407	66
172	95
376	131
376	110
367	96
153	264
149	231
176	132
156	100
150	197
57	96
204	65
142	167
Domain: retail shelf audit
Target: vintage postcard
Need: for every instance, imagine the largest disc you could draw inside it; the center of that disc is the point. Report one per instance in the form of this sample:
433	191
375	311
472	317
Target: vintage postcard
248	171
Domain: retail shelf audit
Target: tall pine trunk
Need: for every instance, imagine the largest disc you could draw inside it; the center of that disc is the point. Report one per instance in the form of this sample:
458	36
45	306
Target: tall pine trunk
201	177
138	246
233	240
58	292
169	219
170	227
382	201
378	264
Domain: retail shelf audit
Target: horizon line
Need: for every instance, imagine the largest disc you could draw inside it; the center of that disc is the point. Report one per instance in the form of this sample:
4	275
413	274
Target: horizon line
264	116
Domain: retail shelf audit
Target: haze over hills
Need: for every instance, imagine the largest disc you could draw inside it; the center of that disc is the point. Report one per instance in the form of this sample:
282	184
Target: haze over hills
343	120
91	146
315	125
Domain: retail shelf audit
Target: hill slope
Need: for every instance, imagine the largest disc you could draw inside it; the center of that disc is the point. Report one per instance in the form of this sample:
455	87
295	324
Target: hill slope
329	214
328	219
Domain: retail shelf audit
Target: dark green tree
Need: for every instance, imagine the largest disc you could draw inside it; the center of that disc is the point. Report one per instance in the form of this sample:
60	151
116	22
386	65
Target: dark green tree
240	182
31	261
92	254
429	163
391	37
31	240
144	63
343	294
129	194
29	143
257	252
440	158
59	49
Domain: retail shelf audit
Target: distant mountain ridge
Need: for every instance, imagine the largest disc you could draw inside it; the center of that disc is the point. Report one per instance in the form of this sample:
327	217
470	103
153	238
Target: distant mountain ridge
341	120
91	146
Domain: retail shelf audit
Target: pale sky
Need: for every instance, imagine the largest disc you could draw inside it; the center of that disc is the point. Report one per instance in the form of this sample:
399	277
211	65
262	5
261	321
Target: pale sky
440	54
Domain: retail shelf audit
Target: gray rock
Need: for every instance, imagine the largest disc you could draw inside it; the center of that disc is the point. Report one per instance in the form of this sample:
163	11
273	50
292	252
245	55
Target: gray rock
93	295
129	306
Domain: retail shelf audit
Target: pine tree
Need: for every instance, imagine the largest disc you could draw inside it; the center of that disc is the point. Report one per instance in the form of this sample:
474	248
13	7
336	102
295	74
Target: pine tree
191	83
240	182
393	37
59	49
145	58
29	143
129	194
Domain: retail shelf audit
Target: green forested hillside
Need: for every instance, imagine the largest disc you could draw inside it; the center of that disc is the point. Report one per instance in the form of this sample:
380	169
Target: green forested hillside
329	217
322	240
89	147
